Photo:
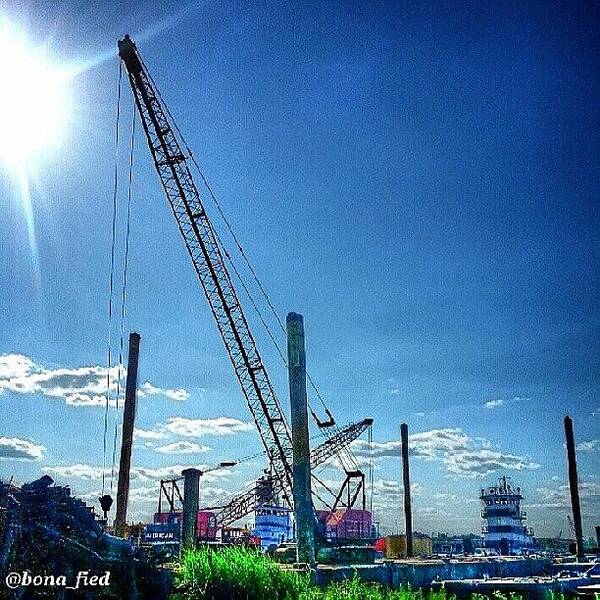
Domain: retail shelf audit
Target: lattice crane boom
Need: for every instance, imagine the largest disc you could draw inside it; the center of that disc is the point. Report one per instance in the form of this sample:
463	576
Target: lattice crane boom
244	504
171	163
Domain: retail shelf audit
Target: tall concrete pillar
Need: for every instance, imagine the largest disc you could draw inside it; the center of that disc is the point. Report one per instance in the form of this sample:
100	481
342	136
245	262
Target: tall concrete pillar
127	437
303	507
406	485
191	504
574	486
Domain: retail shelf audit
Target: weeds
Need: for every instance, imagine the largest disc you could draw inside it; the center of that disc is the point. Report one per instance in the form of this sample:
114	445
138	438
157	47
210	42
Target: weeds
236	574
246	574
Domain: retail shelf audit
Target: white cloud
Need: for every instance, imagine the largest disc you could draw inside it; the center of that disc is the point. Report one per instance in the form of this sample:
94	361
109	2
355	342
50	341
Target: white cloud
92	473
183	447
14	366
445	497
429	444
362	449
190	428
559	498
425	444
137	495
482	462
389	494
147	389
174	471
87	400
78	471
462	455
79	386
143	500
199	427
18	449
148	434
589	446
491	404
143	494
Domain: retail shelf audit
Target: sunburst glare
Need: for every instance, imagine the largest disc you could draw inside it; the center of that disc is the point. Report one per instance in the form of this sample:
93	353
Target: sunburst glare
35	103
34	99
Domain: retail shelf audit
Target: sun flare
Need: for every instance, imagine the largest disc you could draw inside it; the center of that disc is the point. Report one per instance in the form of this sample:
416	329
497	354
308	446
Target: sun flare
34	101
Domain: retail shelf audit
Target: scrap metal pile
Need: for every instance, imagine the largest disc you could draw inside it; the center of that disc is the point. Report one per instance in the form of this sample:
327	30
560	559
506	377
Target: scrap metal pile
45	531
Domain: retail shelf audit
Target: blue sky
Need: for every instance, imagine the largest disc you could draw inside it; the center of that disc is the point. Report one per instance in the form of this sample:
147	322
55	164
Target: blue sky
419	181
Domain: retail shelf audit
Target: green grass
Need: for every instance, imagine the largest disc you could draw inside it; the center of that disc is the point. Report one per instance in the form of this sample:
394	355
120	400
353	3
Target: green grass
246	574
354	589
237	574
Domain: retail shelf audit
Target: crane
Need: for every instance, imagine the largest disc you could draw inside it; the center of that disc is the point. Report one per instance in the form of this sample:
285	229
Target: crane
173	167
207	258
244	504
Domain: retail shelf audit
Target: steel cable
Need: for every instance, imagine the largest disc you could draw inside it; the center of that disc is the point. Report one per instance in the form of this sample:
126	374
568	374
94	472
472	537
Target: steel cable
123	295
112	273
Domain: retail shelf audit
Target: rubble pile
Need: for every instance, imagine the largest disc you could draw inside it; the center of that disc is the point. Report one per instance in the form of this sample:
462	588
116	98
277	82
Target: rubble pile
46	531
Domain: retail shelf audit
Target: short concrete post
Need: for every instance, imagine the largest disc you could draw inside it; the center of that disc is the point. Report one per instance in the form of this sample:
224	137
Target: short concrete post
191	504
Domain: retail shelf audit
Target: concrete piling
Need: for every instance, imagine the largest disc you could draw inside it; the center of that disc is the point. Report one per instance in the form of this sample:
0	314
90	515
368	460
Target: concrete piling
302	494
406	485
191	504
574	486
127	437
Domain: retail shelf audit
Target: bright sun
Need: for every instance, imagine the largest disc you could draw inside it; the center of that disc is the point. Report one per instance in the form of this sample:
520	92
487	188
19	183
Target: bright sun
33	102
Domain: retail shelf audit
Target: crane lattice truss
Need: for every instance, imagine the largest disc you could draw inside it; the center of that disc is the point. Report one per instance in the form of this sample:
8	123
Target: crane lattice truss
244	504
172	165
207	258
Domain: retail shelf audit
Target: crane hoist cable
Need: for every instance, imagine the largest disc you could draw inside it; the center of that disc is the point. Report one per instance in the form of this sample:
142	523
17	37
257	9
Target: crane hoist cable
344	452
112	273
123	296
330	420
172	163
322	424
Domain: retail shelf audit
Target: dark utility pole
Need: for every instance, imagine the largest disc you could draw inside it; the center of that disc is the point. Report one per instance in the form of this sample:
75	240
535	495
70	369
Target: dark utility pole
574	486
301	488
127	438
406	485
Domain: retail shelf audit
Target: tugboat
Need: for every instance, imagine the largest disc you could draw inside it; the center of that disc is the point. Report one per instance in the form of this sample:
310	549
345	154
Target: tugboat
505	531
